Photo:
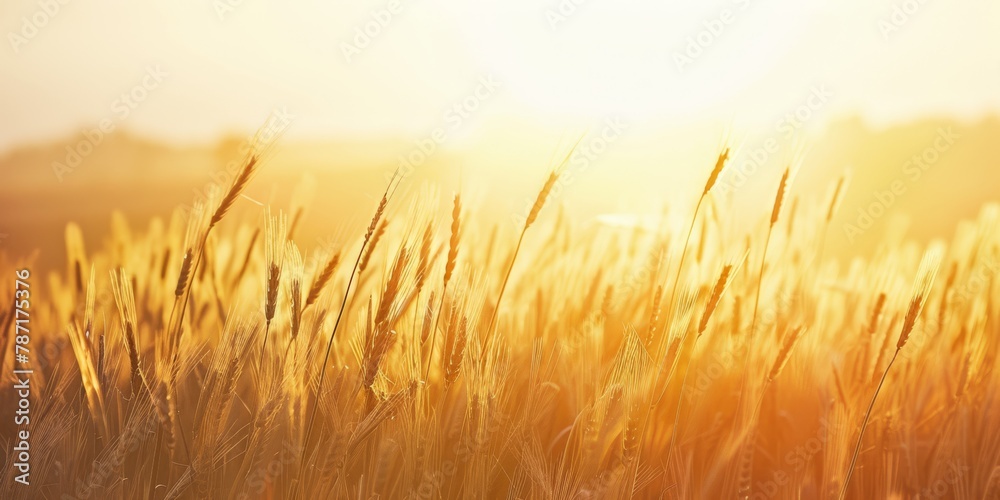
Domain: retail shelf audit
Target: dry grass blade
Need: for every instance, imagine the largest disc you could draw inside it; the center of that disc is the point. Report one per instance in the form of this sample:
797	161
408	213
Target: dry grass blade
246	258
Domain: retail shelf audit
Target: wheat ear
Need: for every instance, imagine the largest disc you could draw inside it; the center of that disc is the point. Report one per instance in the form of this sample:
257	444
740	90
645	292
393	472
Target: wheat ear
449	270
921	289
713	177
779	200
275	236
379	212
838	196
543	195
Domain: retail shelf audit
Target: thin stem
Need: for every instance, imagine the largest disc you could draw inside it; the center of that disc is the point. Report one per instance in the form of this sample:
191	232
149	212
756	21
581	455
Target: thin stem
680	267
864	425
503	287
753	324
433	339
389	190
760	283
680	350
743	441
187	292
654	402
175	341
677	417
288	349
263	347
329	346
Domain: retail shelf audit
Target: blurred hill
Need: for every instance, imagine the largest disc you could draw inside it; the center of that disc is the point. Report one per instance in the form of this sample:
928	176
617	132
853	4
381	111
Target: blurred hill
942	172
145	179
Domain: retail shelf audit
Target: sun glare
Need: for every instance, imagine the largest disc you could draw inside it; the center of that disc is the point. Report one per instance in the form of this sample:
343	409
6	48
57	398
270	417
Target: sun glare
583	57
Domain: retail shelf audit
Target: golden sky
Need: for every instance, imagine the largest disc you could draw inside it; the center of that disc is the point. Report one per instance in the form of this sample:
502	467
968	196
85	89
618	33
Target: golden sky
208	67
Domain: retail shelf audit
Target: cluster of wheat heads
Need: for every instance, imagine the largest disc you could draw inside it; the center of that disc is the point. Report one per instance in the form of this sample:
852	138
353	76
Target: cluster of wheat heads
218	356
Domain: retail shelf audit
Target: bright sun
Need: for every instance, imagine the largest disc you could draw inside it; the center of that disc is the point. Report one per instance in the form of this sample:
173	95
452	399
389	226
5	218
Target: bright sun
636	58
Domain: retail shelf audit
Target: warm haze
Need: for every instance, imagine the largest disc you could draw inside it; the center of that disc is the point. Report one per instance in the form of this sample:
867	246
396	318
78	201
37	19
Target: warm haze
568	249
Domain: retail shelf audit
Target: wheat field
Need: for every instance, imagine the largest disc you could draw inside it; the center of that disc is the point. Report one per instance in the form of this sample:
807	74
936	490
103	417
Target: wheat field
216	354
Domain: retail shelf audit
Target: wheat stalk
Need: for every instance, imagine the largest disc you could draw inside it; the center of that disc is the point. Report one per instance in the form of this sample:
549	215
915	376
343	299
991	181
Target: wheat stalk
721	285
379	212
121	286
713	177
275	236
536	208
239	184
449	270
922	287
779	199
295	291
